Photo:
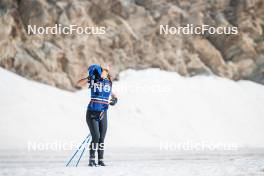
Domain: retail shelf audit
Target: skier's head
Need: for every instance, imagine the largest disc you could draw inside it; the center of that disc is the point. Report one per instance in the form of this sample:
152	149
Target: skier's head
94	71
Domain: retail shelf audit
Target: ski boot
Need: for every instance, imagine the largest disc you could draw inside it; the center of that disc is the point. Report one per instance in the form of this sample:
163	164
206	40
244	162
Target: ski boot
92	162
101	162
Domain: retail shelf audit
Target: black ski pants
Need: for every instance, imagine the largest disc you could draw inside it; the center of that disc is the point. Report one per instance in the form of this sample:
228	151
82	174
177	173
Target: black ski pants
97	123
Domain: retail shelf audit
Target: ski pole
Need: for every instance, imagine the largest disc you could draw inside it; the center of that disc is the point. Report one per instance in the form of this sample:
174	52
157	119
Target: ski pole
77	150
83	151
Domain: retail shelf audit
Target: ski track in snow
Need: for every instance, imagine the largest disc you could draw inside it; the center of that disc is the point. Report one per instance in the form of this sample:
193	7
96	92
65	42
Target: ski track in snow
135	162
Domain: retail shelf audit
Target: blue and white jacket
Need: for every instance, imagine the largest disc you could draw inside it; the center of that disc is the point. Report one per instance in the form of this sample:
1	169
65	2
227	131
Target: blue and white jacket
100	93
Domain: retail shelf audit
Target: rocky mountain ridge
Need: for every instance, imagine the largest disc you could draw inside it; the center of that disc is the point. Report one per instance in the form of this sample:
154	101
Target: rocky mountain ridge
132	39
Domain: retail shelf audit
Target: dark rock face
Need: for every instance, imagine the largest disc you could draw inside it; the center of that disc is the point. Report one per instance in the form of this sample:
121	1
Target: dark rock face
132	38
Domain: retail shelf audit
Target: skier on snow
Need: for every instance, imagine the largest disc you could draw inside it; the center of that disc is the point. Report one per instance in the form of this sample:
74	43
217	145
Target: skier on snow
100	83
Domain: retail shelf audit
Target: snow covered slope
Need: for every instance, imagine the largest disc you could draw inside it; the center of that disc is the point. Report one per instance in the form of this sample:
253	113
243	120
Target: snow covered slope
154	106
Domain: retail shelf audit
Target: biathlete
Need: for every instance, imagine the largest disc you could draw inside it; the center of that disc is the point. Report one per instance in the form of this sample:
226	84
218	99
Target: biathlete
100	83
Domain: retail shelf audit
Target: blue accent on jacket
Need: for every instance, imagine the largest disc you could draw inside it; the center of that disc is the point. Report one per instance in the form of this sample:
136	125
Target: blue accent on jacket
100	93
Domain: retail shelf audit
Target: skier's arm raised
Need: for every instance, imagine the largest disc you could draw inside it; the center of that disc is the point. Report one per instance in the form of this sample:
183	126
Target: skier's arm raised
82	82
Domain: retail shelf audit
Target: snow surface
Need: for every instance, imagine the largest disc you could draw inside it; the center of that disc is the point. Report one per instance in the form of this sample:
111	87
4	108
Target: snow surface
154	107
135	163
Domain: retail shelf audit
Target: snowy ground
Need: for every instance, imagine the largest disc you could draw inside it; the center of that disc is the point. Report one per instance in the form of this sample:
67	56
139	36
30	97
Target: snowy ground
137	162
154	106
186	112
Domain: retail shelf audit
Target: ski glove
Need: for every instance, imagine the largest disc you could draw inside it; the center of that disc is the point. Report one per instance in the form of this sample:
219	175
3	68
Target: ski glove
113	101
